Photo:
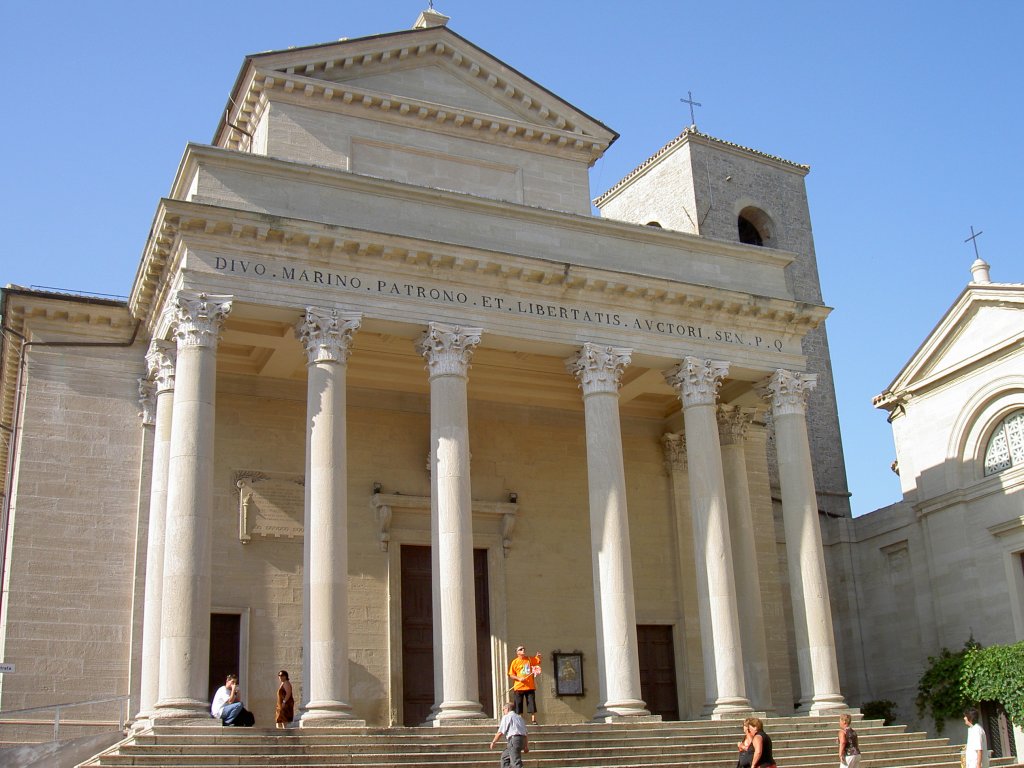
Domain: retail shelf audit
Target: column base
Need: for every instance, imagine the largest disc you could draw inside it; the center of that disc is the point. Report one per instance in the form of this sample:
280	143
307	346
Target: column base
825	704
456	712
328	713
731	708
629	710
142	722
174	711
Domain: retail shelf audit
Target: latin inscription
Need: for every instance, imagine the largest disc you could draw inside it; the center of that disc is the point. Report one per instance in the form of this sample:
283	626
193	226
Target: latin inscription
508	304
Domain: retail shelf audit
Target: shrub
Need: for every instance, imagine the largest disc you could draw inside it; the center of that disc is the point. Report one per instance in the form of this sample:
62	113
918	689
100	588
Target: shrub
996	674
940	691
879	709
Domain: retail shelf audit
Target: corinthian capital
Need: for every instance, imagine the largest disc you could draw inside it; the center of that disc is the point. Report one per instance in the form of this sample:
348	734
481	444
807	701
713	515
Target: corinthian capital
326	334
160	360
788	391
697	381
733	423
674	445
448	348
597	368
199	317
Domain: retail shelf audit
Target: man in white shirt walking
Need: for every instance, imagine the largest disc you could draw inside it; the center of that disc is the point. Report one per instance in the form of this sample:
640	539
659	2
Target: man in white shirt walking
513	728
977	743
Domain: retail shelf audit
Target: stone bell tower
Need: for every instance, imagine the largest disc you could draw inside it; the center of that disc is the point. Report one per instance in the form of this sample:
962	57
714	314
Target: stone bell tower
720	190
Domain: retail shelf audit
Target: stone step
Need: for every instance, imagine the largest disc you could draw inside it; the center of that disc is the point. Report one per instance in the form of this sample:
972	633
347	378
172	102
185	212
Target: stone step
800	742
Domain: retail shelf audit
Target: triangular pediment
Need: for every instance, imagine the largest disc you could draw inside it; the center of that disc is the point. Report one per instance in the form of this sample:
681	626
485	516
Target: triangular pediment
427	74
437	83
985	320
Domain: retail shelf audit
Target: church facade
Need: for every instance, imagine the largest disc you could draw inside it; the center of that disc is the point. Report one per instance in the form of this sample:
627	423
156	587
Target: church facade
387	400
945	564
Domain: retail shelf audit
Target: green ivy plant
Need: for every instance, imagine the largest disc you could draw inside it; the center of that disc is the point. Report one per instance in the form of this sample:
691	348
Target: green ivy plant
940	691
996	673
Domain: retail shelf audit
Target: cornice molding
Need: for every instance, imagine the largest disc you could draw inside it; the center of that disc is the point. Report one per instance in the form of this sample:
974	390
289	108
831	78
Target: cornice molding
424	115
232	229
317	74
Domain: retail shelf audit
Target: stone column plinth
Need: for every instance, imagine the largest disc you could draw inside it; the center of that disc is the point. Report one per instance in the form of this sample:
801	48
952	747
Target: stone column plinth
812	612
733	423
185	609
598	369
326	336
448	350
697	382
160	368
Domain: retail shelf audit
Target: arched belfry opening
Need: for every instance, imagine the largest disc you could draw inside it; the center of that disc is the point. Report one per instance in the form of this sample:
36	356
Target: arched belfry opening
754	227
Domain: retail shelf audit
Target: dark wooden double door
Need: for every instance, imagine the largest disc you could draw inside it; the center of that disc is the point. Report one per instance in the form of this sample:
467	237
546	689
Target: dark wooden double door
418	634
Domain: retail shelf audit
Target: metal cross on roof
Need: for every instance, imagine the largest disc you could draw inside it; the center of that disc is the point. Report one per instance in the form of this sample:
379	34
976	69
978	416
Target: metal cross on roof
689	100
974	239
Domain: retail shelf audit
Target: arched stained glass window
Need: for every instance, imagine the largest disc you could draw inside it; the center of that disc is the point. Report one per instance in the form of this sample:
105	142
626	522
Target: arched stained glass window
1006	446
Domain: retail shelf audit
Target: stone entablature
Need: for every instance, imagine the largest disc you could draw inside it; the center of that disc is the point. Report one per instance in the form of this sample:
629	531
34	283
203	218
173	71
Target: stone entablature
596	243
385	275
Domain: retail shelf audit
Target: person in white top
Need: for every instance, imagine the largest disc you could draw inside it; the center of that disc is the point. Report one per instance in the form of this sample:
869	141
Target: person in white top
227	704
513	728
977	742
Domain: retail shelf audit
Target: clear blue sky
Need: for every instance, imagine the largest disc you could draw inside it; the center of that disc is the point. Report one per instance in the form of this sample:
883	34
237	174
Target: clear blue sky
907	112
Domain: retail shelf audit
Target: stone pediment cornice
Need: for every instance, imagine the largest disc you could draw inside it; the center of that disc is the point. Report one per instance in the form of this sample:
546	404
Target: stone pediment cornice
250	233
317	76
918	375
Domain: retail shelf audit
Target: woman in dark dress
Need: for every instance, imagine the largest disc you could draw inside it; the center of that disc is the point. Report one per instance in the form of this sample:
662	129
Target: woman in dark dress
756	747
284	712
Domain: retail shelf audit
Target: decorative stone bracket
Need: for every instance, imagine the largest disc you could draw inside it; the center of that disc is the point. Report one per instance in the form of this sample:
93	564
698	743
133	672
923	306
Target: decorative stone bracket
398	510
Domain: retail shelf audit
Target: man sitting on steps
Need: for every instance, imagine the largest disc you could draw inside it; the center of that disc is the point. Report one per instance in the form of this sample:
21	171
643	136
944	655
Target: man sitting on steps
227	704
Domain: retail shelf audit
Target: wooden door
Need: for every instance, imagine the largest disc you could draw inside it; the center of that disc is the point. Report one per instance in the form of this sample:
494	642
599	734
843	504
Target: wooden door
418	634
658	670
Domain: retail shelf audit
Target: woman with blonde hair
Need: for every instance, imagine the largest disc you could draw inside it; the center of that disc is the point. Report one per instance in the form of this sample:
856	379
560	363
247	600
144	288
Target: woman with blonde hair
756	747
849	749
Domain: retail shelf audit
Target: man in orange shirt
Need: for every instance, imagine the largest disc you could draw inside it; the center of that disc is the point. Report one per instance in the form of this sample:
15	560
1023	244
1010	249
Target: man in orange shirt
522	672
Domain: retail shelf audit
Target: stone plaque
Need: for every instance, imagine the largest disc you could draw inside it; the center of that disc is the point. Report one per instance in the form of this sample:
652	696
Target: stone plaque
270	505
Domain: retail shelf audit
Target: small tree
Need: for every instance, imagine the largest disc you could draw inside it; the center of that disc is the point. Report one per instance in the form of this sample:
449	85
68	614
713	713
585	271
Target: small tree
940	690
996	674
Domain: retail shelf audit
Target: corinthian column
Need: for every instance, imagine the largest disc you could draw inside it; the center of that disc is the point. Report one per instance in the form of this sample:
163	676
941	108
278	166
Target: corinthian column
733	423
697	382
808	584
185	620
598	369
448	350
160	367
326	335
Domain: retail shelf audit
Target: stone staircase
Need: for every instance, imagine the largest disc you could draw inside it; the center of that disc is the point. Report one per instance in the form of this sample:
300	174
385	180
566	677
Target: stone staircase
800	742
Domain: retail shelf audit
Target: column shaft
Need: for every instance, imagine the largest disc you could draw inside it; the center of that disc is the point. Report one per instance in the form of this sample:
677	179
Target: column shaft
326	335
160	362
448	350
185	621
598	370
697	382
812	612
733	424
